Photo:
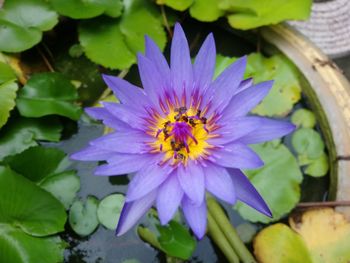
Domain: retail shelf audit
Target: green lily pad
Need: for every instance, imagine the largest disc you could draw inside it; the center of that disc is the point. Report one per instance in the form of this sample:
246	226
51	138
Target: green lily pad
280	244
47	94
256	13
176	241
81	9
22	23
206	10
109	210
286	90
318	167
180	5
83	217
222	62
21	133
19	247
64	186
246	232
7	99
304	118
6	73
278	181
28	207
308	142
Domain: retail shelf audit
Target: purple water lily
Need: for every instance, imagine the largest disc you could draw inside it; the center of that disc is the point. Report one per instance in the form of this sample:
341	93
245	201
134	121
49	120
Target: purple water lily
183	134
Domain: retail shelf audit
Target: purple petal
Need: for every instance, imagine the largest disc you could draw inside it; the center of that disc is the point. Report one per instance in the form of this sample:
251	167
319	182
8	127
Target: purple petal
133	211
169	198
191	178
91	153
218	182
246	100
236	129
269	129
121	163
196	216
180	62
226	84
123	142
247	193
107	118
204	65
237	155
146	180
155	55
125	91
125	114
247	83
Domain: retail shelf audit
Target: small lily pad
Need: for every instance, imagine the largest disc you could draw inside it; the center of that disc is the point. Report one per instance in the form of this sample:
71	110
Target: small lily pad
206	10
180	5
7	99
304	118
318	167
109	210
83	217
246	231
6	73
279	244
308	142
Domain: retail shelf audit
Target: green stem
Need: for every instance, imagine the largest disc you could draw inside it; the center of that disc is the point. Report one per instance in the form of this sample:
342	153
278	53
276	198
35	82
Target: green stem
149	237
219	239
224	224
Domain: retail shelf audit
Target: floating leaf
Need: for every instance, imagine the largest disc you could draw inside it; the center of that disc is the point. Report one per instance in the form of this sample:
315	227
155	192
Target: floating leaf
304	118
6	73
222	63
307	142
286	90
256	13
176	241
279	244
22	133
80	9
47	94
83	217
17	247
22	23
64	186
180	5
7	100
326	234
206	10
28	207
109	210
246	231
318	167
278	181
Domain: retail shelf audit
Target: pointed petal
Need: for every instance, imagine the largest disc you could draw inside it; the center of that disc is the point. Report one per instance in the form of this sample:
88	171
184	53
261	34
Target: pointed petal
196	216
204	65
146	180
226	84
180	62
246	100
121	163
237	155
236	129
126	92
133	211
107	118
218	182
244	85
268	130
191	179
91	153
169	198
247	193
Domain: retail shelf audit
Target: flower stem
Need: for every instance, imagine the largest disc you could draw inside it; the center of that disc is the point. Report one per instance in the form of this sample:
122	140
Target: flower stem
230	233
215	233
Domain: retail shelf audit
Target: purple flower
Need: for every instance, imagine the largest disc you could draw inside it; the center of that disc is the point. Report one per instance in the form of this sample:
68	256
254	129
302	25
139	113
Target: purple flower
183	134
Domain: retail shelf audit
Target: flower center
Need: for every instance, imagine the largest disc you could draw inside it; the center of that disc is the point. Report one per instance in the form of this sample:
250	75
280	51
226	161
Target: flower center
181	135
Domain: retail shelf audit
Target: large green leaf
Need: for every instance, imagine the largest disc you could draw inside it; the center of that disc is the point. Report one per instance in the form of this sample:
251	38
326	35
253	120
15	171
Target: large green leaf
7	100
180	5
6	73
176	241
22	133
206	10
22	23
247	14
19	247
47	94
80	9
280	244
28	207
278	181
